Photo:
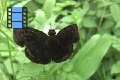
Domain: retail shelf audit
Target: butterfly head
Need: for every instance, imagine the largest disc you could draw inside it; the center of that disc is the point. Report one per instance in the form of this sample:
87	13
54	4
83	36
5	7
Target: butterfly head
51	32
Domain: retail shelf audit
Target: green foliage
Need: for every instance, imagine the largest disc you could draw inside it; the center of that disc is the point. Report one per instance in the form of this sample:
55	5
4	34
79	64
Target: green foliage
96	56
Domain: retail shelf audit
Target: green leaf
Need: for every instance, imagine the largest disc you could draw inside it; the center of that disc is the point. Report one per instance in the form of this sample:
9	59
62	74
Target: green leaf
67	67
61	76
1	77
68	19
86	5
8	66
116	1
117	31
29	70
116	43
116	68
55	68
32	9
74	76
117	25
115	12
40	17
104	3
89	57
21	4
48	7
99	12
89	22
21	58
78	14
107	26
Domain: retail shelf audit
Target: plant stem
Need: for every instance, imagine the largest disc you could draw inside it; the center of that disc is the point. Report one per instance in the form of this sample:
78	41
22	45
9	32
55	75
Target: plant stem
14	77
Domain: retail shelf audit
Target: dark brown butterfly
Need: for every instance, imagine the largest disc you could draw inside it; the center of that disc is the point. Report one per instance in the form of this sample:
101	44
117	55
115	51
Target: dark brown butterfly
42	48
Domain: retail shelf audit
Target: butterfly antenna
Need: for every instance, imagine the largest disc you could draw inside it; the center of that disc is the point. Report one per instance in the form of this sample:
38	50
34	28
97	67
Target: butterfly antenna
41	24
50	26
59	24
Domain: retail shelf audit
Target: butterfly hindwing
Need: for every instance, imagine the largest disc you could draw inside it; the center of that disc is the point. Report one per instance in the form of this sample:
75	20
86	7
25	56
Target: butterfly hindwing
37	53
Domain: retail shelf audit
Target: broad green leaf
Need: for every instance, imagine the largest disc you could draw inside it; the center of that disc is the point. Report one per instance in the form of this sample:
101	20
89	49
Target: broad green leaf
1	76
86	5
68	19
108	23
55	68
89	22
87	48
116	1
48	7
21	58
116	43
32	9
115	12
67	67
91	13
40	17
74	76
61	76
29	70
3	46
116	68
8	66
89	57
117	31
103	3
40	1
117	25
78	14
21	4
99	12
107	26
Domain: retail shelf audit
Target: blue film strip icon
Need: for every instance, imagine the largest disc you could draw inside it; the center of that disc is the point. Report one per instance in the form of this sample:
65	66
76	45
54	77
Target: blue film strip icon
17	17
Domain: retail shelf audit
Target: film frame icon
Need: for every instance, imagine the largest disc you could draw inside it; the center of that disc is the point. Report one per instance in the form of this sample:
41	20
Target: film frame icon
17	17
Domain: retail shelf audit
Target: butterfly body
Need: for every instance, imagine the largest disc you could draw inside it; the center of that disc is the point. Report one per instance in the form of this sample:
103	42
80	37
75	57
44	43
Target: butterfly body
42	48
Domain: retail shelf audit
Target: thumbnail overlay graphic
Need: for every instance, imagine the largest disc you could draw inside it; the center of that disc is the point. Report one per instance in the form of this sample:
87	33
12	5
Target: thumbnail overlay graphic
17	17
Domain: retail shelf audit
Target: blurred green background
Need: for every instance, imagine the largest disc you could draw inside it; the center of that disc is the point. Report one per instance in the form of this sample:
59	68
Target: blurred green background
96	56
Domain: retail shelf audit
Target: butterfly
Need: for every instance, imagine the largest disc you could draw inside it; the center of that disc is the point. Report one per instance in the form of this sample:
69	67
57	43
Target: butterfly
42	48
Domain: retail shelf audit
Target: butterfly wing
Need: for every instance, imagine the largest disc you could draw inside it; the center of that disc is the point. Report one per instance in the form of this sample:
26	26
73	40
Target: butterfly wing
66	37
37	53
69	34
26	35
34	41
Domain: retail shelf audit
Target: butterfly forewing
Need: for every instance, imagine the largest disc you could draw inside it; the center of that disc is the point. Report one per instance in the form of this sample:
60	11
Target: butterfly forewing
69	34
26	35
